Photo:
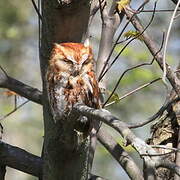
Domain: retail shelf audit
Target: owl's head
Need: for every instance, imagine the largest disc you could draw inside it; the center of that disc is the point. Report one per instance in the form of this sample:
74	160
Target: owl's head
71	57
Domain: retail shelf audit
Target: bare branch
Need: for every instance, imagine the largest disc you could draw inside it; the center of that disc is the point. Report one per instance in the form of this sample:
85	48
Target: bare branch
20	159
110	24
20	88
121	127
119	154
24	90
152	46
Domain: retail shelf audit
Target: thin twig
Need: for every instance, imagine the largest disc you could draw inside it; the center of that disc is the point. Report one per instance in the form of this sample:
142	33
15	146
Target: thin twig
1	130
134	67
172	150
176	16
133	91
165	147
177	70
153	48
159	10
125	46
166	42
158	154
155	116
101	11
93	12
3	71
125	40
36	9
15	109
109	56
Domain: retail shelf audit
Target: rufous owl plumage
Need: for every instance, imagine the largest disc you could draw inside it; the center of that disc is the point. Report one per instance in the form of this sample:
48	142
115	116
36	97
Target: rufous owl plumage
71	78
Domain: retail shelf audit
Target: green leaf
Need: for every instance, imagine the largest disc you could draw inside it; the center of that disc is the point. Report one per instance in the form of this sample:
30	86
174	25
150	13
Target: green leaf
133	34
122	4
128	148
114	97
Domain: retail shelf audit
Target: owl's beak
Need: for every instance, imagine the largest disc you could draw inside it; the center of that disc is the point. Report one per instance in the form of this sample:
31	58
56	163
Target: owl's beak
75	73
77	70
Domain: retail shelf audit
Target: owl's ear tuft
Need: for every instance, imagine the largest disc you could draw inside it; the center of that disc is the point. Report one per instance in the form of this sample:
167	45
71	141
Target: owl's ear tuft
86	43
57	45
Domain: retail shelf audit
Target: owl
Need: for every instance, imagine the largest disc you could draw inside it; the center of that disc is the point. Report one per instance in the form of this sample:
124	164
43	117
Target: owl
71	78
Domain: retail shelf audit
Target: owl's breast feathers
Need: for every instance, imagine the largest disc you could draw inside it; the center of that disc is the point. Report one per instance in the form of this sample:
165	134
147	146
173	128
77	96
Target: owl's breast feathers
81	90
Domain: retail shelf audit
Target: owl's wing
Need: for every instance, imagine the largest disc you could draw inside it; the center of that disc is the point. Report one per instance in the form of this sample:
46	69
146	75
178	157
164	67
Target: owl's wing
92	92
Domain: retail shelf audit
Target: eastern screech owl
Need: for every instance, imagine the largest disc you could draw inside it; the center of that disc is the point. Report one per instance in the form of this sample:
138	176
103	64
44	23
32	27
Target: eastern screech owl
71	78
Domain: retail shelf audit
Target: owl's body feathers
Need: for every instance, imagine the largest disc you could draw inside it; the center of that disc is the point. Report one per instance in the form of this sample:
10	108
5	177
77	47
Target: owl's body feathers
71	78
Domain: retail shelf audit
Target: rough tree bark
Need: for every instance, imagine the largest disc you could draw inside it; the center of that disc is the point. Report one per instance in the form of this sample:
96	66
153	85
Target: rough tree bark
62	21
2	172
166	132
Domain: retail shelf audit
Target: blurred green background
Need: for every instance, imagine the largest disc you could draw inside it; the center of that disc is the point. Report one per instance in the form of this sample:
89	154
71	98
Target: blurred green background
19	57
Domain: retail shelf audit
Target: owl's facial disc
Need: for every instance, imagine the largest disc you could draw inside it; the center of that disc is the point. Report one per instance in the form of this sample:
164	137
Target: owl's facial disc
77	66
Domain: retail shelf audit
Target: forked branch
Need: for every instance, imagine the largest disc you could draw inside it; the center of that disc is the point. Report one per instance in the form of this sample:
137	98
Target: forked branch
119	154
144	150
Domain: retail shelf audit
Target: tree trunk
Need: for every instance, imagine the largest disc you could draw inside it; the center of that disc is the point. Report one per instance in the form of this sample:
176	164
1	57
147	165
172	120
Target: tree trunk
2	172
62	22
